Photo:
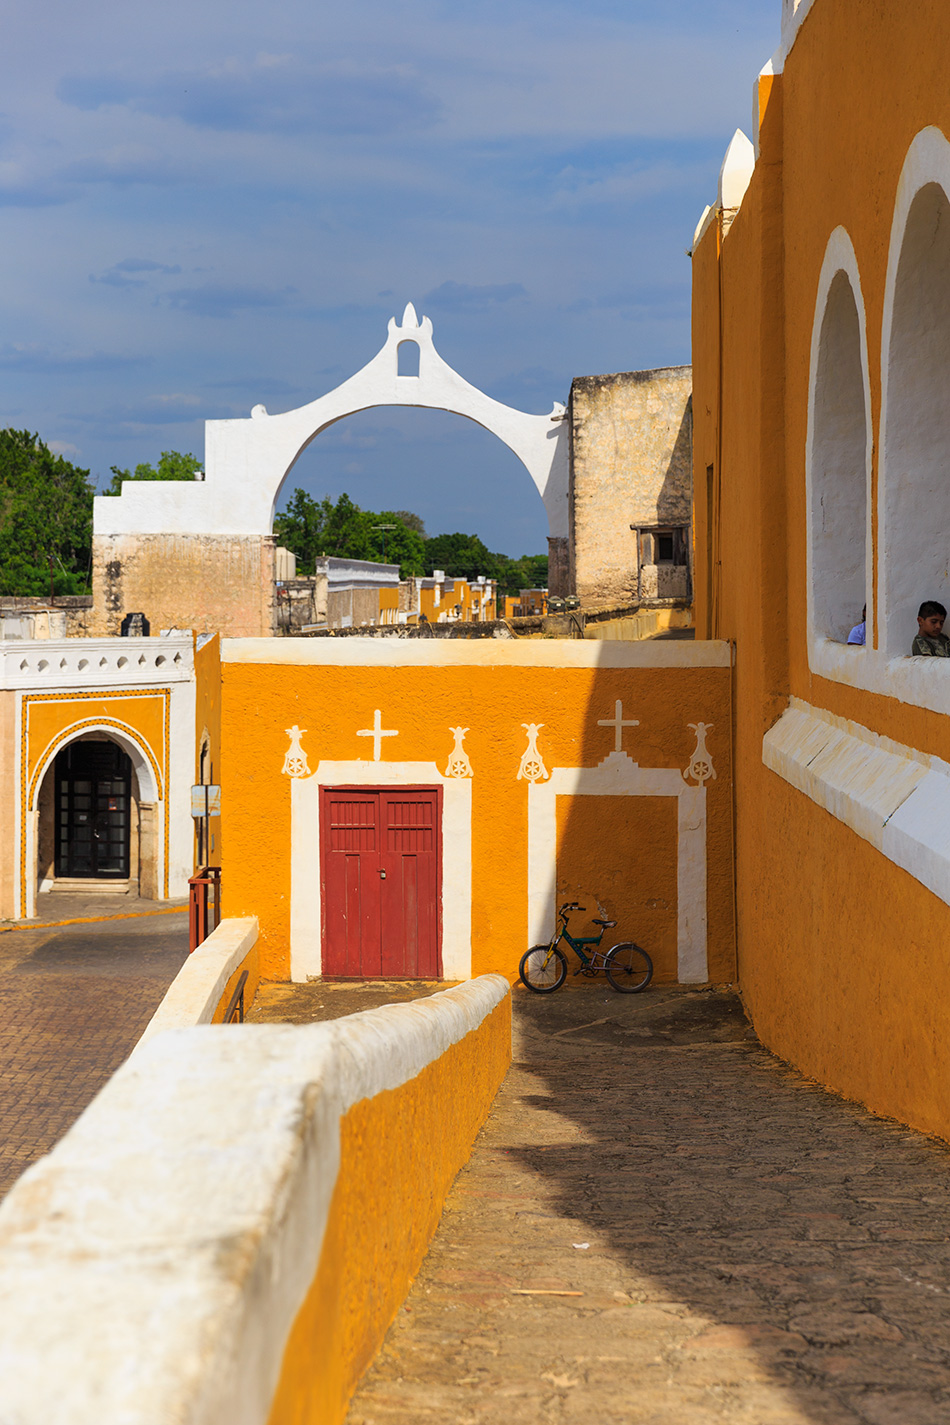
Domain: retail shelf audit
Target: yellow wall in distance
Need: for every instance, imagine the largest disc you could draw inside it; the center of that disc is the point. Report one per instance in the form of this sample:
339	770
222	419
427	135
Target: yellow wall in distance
621	851
493	701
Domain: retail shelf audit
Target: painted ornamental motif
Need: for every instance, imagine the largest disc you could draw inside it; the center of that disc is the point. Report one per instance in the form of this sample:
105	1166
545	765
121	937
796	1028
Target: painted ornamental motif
458	764
700	768
295	759
532	768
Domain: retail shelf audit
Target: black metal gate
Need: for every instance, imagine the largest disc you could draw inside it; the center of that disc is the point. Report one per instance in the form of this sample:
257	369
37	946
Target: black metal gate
93	785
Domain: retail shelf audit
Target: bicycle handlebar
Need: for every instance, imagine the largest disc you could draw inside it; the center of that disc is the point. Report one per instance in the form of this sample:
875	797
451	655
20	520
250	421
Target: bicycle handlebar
572	905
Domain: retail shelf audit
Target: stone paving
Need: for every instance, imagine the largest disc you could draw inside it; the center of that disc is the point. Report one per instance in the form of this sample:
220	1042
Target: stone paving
73	1002
662	1224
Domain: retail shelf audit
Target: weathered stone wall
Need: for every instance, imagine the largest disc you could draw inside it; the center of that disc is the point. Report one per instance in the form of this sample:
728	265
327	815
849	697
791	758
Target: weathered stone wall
631	464
65	616
210	583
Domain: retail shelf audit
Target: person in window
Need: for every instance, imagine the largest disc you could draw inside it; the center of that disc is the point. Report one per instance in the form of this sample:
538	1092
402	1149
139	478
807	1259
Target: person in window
931	641
857	634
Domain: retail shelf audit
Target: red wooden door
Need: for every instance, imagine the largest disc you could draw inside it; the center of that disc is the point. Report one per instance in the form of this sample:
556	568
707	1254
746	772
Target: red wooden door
381	855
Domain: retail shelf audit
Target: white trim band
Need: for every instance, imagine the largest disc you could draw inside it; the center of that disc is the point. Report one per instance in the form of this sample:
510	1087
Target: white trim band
892	796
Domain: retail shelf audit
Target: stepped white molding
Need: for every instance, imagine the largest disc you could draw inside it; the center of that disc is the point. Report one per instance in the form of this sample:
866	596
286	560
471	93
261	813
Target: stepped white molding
890	795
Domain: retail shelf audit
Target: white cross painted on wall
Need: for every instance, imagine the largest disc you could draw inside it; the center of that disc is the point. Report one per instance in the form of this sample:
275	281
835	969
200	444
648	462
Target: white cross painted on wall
377	732
618	723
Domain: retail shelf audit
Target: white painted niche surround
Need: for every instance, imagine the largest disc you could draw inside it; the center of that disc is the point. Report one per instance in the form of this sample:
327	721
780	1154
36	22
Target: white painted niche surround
619	776
306	935
914	478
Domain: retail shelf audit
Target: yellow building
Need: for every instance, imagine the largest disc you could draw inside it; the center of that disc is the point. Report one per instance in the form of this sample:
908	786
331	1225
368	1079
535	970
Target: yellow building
821	358
98	751
420	807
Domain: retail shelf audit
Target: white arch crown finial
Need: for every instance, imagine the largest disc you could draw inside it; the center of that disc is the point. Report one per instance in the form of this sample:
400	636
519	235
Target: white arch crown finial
247	461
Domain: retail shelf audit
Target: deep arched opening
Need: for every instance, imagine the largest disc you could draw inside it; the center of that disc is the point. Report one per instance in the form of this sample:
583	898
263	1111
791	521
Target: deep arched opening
839	467
96	821
916	422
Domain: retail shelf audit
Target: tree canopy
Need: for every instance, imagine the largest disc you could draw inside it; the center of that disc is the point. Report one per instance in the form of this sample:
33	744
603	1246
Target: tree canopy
171	466
311	528
45	519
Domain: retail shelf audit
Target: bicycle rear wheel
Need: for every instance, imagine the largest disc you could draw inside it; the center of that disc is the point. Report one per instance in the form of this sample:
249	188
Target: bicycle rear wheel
628	968
543	968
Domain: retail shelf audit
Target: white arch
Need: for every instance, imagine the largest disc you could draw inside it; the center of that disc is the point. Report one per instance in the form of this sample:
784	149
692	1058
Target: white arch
838	454
120	733
247	460
915	371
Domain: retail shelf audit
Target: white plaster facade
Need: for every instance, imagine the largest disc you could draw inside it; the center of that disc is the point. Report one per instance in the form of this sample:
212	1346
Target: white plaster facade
246	461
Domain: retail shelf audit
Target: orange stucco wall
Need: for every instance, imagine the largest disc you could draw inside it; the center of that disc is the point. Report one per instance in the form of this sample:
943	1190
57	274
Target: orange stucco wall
260	701
839	950
400	1152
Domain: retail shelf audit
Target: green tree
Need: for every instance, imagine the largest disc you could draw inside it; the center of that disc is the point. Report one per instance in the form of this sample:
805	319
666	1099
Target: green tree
45	519
312	528
461	556
172	465
411	521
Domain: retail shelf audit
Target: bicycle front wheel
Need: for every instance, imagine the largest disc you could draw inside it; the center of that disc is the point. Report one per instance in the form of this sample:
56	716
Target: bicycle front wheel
628	968
543	969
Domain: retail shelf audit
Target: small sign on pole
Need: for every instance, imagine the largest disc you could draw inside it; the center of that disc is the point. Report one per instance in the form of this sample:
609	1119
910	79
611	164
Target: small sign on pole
205	801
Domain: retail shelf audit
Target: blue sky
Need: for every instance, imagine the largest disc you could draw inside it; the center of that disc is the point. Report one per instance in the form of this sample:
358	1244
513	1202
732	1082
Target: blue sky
204	206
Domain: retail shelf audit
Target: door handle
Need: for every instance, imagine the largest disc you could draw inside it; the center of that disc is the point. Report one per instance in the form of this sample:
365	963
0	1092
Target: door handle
382	875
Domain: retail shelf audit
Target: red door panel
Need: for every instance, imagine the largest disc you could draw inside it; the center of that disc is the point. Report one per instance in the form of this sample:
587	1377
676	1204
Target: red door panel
351	885
381	865
410	890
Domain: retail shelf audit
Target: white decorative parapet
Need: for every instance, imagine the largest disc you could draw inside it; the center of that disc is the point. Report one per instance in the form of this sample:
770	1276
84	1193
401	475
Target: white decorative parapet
195	992
96	662
153	1265
893	796
247	460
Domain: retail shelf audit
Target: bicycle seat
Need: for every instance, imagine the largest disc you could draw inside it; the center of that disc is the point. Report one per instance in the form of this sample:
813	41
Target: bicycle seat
605	923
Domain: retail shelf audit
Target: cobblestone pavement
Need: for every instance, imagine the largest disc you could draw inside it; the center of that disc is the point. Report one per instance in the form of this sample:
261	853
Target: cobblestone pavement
73	1002
662	1223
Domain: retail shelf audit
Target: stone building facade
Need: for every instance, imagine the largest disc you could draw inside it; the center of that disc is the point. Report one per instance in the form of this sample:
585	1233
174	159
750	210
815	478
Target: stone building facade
631	486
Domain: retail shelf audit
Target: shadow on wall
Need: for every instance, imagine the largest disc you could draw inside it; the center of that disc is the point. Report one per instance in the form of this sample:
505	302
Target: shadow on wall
642	825
674	501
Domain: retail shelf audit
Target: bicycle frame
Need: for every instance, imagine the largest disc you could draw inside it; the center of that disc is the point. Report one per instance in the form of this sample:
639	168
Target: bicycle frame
588	962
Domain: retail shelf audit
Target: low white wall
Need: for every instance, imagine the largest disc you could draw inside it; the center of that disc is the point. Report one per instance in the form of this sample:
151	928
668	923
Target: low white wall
152	1265
195	992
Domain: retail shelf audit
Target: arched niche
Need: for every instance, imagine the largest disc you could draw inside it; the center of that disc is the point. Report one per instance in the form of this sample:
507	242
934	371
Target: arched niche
146	846
839	450
915	431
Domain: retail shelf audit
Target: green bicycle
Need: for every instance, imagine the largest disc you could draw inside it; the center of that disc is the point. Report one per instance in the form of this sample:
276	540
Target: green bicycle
544	967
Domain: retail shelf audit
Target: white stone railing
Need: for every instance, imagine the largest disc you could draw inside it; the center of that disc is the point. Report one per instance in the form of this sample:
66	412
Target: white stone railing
91	662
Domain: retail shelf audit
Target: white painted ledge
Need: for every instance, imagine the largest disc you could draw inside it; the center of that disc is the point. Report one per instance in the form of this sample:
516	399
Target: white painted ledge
151	1267
923	682
893	796
490	653
195	992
